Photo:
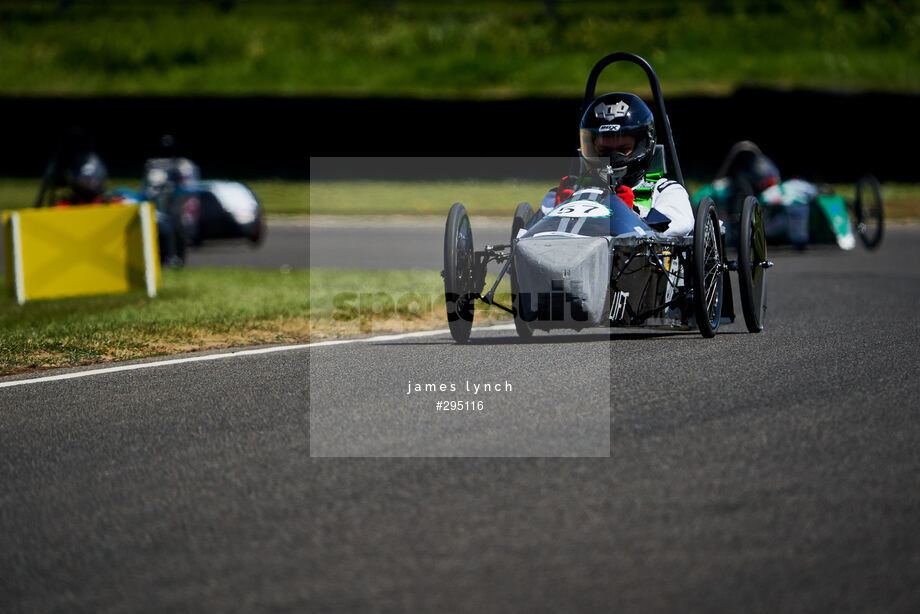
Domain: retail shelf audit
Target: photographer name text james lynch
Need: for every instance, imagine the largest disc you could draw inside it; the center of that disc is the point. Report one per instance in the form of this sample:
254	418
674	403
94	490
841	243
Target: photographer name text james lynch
466	386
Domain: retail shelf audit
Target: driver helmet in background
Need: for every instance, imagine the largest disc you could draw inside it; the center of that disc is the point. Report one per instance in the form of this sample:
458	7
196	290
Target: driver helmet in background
617	135
168	175
755	168
86	175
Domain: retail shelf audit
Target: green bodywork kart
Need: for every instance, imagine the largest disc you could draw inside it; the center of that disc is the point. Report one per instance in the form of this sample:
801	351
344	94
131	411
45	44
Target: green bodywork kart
797	212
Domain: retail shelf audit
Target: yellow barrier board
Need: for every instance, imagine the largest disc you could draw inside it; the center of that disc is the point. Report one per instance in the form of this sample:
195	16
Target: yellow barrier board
81	251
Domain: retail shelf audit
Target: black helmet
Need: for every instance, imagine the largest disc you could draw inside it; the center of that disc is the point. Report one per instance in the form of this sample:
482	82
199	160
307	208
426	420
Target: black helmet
86	176
618	130
745	160
758	170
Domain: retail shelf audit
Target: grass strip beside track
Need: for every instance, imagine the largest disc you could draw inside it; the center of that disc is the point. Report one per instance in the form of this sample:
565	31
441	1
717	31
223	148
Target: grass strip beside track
196	309
286	198
496	198
345	303
199	309
486	198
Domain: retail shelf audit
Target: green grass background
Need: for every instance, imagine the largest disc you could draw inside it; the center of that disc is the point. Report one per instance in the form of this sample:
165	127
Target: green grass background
450	48
496	198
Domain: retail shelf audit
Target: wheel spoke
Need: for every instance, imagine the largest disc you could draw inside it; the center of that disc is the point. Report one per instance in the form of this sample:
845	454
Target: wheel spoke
711	271
707	268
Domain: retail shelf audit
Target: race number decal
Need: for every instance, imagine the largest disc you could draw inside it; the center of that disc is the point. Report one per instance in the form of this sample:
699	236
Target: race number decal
580	208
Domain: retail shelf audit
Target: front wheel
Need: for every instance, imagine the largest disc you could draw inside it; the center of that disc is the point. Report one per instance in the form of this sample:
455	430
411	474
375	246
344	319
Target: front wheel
739	191
707	268
522	215
459	263
870	216
752	262
257	235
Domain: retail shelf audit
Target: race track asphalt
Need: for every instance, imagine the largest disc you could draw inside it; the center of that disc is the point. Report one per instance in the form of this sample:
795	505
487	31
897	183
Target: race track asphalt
769	472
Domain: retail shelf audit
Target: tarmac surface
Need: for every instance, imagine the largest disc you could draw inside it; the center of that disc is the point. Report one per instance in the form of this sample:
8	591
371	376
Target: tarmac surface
769	472
346	242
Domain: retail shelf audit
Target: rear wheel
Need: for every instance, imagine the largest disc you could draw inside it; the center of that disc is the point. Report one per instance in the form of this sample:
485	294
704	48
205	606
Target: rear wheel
752	258
707	268
870	217
458	273
522	215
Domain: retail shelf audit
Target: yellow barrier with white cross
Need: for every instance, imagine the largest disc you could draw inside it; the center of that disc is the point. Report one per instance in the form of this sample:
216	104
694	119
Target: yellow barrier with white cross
81	250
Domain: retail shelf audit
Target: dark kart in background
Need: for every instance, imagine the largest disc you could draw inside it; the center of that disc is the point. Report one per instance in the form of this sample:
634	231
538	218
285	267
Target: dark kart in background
192	212
818	214
200	210
222	210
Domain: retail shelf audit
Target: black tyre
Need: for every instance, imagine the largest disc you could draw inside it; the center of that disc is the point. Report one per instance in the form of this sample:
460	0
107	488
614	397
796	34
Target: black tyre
752	276
257	236
190	216
522	215
707	268
459	262
740	189
870	216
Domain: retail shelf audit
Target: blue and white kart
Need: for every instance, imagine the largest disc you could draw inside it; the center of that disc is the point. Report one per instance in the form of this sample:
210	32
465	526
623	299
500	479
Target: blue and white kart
202	210
592	261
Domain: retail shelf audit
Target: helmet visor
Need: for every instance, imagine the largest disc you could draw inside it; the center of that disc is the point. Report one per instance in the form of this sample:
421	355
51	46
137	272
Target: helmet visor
614	148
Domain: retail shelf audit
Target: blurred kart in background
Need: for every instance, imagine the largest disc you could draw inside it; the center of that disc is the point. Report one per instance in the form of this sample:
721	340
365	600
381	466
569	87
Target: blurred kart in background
221	210
200	210
796	212
189	211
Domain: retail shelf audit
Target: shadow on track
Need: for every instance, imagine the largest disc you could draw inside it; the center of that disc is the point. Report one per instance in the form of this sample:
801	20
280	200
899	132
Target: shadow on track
512	339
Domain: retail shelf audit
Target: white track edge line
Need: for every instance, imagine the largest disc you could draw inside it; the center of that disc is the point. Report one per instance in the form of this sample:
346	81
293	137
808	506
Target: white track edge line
238	353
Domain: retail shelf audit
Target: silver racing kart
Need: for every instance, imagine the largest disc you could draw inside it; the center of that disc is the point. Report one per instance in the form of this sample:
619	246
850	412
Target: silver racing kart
592	261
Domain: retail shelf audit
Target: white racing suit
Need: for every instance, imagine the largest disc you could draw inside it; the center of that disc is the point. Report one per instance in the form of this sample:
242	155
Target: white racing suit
671	199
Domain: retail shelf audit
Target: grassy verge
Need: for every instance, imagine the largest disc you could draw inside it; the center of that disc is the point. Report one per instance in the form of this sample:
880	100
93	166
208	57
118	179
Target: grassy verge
200	309
498	198
492	198
196	309
901	200
289	198
448	49
495	198
347	303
